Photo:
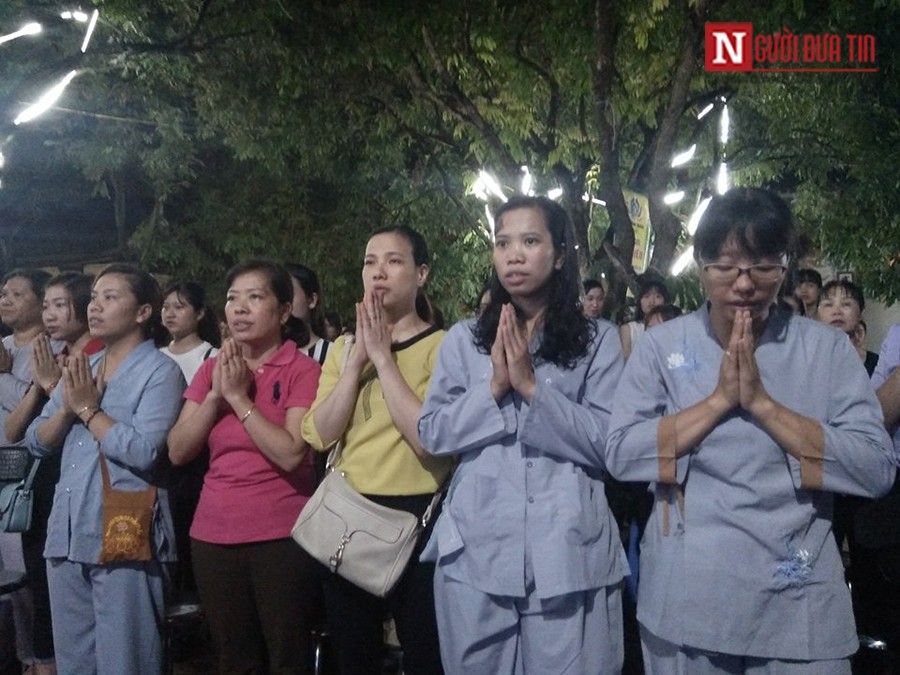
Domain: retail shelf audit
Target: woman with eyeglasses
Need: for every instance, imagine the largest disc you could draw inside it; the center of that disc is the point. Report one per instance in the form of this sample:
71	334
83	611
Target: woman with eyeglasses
747	419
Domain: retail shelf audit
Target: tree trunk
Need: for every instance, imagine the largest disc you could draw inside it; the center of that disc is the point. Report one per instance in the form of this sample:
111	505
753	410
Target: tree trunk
118	195
620	251
666	225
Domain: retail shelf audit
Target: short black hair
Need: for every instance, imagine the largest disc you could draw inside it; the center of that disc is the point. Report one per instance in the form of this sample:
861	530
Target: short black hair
850	289
78	286
278	277
37	278
758	220
648	283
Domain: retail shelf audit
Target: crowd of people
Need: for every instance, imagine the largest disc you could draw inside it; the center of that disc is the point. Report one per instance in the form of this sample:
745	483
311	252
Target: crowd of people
677	495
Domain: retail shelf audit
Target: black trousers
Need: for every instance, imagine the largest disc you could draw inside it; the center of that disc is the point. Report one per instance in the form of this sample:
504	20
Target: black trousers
262	599
33	554
356	617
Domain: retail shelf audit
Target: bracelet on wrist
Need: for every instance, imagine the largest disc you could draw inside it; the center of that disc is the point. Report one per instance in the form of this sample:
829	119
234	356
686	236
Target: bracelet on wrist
248	413
87	421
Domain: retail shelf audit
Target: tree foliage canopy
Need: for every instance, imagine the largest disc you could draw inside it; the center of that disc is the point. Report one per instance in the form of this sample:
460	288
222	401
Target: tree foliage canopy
220	129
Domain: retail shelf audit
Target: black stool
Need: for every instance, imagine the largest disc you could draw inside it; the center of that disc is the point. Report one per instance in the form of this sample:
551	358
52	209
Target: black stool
180	617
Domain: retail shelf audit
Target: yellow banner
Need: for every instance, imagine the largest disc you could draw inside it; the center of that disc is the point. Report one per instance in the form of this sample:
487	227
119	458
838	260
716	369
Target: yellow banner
639	212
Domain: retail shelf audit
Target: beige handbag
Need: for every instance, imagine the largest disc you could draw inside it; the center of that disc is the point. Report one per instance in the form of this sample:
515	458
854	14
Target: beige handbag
366	543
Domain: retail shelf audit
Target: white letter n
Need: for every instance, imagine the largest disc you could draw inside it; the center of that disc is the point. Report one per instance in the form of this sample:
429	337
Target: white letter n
735	50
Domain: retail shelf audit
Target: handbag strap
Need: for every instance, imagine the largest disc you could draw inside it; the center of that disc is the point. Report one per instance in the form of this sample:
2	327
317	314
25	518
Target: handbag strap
150	492
435	500
32	472
335	455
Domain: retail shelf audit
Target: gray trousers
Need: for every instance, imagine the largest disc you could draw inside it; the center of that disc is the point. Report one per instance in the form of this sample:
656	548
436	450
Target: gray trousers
106	618
664	658
573	634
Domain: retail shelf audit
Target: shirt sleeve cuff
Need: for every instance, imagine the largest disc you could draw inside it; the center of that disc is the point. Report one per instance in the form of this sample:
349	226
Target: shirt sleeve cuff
666	446
812	463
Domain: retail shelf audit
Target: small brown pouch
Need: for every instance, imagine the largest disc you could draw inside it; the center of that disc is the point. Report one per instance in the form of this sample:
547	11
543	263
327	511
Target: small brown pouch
127	522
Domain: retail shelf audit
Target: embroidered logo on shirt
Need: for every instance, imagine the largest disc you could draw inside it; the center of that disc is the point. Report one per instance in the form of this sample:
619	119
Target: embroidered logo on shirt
794	569
675	360
685	360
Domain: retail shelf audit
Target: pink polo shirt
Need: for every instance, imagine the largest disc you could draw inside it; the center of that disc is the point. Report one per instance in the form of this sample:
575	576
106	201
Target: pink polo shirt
245	497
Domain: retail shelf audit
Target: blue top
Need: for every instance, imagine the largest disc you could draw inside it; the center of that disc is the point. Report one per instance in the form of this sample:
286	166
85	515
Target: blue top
888	362
15	383
144	398
738	558
527	499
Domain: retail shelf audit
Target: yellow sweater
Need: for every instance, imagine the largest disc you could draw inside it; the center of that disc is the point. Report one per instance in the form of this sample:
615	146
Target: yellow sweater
375	457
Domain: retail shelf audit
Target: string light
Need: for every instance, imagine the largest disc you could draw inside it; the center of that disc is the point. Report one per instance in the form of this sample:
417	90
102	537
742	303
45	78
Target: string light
723	181
673	197
694	220
527	182
90	30
683	261
47	99
76	15
724	122
684	157
27	29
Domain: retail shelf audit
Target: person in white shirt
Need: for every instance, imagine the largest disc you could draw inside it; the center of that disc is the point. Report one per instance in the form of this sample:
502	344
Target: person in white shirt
192	325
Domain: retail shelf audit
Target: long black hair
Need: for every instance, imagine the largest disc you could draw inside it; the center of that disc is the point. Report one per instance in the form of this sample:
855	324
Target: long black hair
193	294
566	332
309	282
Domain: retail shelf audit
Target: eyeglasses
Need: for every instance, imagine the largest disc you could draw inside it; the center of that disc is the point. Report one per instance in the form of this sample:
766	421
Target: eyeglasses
760	273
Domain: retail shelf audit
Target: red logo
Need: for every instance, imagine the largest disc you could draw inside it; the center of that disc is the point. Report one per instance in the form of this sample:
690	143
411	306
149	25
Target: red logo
729	46
733	47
